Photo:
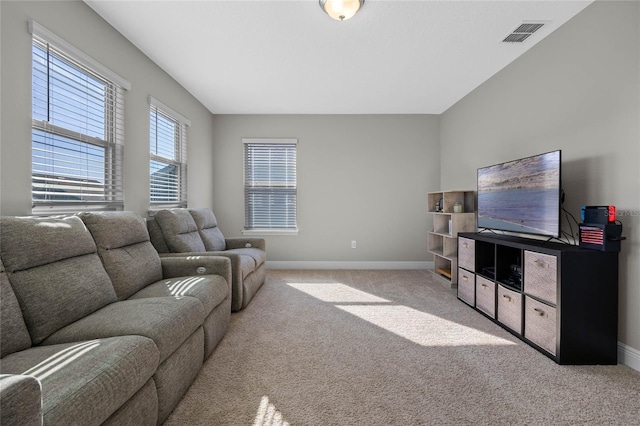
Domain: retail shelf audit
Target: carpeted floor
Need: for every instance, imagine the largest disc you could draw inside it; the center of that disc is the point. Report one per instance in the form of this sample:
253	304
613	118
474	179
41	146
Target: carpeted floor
370	347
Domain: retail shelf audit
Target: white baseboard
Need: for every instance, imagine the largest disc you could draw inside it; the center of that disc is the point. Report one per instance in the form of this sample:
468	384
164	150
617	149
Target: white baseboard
312	264
628	356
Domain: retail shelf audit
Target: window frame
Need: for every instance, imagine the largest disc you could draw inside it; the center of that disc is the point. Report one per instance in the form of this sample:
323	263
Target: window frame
180	160
258	231
112	197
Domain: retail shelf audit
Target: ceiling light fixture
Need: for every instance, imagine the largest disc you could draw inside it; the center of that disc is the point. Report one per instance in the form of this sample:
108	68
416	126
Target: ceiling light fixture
341	10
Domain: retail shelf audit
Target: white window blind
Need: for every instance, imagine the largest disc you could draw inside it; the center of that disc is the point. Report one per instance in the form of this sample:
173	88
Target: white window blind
77	129
168	156
270	186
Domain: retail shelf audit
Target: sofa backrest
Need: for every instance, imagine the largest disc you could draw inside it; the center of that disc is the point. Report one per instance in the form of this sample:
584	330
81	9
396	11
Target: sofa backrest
156	237
14	335
125	250
54	270
208	229
180	231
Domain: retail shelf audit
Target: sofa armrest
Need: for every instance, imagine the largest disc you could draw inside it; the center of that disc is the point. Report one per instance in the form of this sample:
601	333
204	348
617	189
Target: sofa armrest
235	257
196	264
236	243
20	400
235	281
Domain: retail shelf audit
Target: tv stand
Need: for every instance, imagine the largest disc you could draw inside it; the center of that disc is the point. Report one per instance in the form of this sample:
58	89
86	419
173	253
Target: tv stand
558	298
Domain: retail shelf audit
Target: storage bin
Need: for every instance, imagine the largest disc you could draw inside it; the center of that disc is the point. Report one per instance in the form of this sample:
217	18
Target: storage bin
541	276
540	324
466	286
466	253
486	296
510	309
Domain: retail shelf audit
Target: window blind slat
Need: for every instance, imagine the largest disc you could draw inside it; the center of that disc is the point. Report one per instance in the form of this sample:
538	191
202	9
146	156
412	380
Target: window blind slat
77	131
270	185
168	156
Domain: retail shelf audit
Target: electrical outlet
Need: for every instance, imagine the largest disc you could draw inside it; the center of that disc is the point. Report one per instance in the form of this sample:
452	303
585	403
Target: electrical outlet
353	243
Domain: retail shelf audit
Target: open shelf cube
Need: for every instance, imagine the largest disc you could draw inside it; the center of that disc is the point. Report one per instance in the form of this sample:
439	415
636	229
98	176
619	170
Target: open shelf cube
448	221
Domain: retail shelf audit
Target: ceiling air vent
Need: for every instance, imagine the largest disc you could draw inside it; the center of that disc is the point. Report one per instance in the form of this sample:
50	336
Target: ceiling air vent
521	33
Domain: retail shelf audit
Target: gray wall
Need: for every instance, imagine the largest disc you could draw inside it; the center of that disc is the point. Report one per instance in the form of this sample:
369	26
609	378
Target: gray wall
92	35
357	174
577	90
362	178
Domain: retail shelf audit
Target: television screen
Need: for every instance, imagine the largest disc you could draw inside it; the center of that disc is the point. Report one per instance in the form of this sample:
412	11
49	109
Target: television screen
521	195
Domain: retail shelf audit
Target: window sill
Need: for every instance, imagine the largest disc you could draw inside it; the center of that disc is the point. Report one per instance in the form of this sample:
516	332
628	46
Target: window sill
265	232
155	209
64	210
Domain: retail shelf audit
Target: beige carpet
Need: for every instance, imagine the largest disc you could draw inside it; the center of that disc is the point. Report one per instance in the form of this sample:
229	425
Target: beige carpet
389	348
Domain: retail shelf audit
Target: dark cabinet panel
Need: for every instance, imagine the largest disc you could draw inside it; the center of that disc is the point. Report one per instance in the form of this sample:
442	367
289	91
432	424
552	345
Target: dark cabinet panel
559	298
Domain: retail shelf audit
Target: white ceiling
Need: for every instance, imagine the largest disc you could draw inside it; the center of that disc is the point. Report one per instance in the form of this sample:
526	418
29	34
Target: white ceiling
289	57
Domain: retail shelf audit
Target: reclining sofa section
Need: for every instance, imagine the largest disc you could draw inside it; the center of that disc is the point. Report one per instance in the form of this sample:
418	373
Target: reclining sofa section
189	232
96	328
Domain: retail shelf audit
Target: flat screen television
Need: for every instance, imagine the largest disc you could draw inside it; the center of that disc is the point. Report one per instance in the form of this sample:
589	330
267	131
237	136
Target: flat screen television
522	195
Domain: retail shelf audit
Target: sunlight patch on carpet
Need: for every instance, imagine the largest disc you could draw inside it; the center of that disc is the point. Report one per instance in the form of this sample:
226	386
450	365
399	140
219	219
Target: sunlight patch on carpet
414	325
268	415
422	328
337	293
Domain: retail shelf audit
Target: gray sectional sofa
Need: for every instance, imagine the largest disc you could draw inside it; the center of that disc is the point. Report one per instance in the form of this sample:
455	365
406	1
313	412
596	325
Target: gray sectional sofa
189	232
96	327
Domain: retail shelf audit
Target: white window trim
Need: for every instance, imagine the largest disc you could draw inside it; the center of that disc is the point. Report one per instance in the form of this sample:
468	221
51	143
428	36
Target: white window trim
120	84
184	121
271	231
77	54
292	141
156	103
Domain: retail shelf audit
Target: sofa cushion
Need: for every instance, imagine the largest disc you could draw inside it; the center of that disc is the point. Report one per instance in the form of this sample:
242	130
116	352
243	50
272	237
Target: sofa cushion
180	231
125	249
208	228
28	242
14	335
210	290
132	268
59	284
168	321
86	382
55	295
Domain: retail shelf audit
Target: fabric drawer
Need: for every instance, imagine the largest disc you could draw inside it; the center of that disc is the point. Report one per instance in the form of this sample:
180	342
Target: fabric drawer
486	296
466	253
510	309
466	286
541	276
540	324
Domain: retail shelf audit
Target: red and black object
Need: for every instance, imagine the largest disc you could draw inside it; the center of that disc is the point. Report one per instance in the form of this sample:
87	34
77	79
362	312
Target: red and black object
600	236
598	214
600	231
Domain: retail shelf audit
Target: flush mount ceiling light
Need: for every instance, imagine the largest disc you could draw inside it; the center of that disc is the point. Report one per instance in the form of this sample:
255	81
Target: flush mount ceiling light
341	10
